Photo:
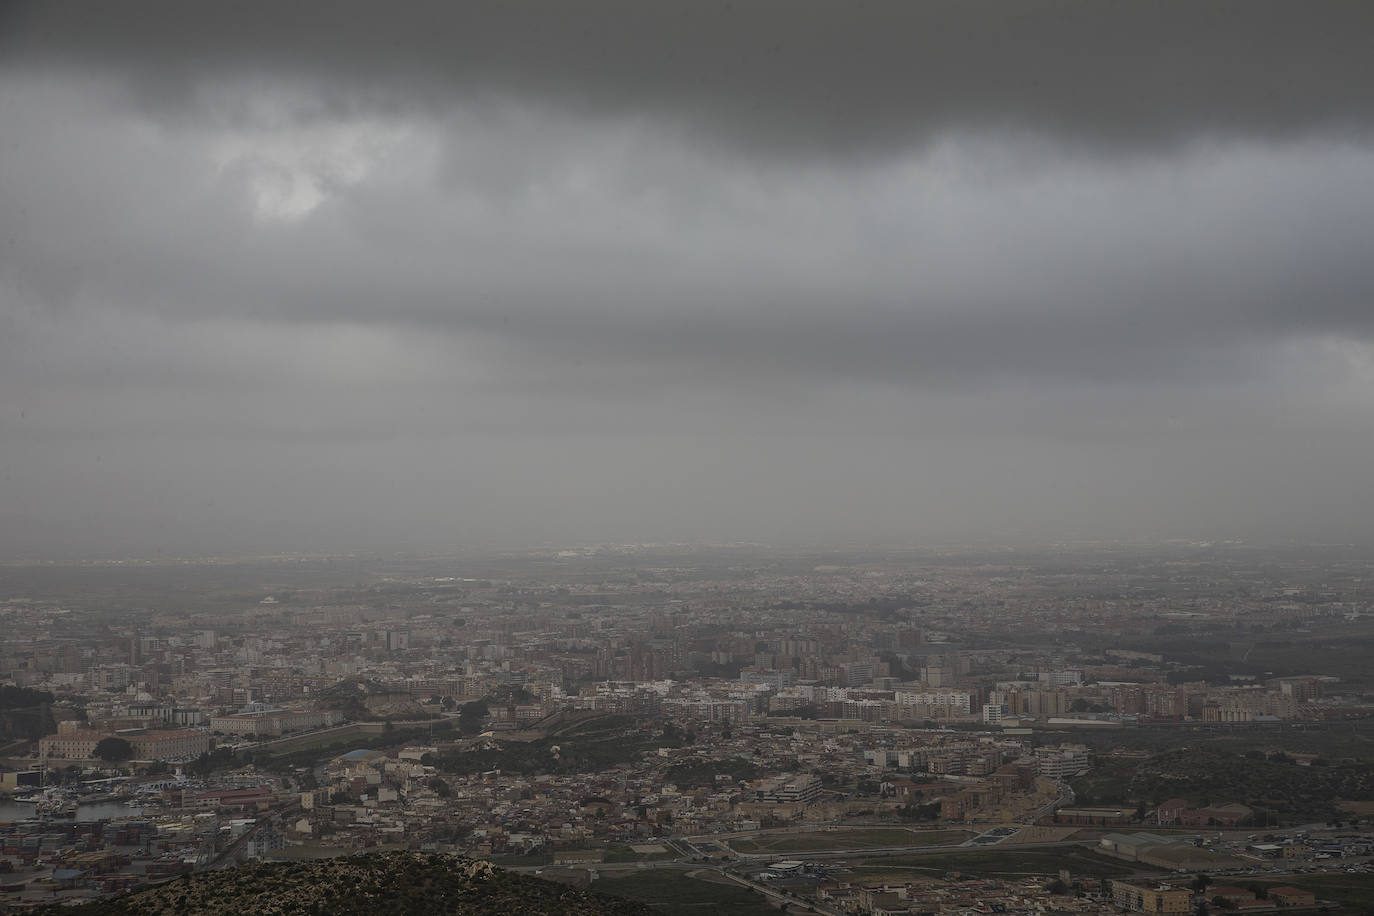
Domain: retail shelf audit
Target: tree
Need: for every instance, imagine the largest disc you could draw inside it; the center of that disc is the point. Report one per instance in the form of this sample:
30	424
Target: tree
113	750
205	764
919	812
22	697
470	716
513	693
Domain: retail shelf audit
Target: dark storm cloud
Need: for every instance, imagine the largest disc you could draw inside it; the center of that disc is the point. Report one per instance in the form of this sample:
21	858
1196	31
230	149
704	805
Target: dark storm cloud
797	77
942	274
291	276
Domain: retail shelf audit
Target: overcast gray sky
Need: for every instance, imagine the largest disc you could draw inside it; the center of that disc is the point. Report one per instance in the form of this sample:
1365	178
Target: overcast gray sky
333	276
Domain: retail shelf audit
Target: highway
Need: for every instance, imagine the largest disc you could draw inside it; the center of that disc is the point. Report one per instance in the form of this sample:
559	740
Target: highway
691	869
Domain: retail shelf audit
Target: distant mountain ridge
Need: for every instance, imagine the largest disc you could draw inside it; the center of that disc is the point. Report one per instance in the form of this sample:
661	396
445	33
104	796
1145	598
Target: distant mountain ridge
402	883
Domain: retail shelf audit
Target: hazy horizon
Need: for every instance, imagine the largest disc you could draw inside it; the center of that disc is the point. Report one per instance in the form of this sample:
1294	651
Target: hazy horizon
342	277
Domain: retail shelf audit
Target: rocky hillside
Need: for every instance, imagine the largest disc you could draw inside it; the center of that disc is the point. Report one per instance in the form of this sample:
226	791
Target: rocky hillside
407	884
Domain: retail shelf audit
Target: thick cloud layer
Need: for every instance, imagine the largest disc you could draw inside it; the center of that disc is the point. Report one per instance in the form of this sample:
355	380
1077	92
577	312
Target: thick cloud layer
797	76
319	278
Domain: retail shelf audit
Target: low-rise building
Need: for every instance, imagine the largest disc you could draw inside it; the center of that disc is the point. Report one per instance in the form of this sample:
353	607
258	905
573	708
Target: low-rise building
1151	897
170	744
1292	896
275	722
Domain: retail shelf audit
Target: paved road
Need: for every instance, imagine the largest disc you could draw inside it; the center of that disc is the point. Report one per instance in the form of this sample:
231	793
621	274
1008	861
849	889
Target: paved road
880	851
229	858
779	896
692	869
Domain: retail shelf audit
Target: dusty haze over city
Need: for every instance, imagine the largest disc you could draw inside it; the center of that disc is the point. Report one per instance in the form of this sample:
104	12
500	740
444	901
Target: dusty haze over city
350	277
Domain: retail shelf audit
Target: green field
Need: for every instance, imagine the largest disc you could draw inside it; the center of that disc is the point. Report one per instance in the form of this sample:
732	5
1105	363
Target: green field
348	737
1109	783
1354	894
676	894
521	861
857	838
626	854
1006	861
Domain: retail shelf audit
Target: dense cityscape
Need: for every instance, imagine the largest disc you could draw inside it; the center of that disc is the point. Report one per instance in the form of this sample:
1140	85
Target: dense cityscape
847	733
686	457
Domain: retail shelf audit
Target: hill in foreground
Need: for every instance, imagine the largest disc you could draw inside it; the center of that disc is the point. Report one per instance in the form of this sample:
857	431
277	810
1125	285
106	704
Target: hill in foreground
404	883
